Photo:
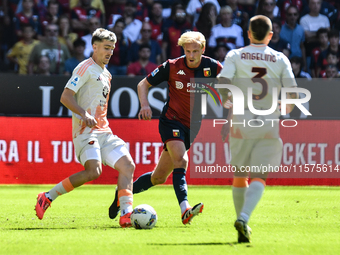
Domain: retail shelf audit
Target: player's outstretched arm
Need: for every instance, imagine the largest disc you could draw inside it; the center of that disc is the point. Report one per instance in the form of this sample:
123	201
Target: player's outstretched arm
145	112
67	99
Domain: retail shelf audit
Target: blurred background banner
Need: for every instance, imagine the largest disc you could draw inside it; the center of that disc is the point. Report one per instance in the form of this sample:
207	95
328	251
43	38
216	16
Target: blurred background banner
40	96
39	150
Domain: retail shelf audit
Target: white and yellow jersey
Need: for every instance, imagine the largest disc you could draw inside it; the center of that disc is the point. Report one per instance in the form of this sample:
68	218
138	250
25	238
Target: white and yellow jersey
261	68
92	85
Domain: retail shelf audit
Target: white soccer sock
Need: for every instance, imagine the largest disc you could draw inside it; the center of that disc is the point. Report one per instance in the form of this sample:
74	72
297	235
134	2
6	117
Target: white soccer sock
184	205
252	197
125	201
238	197
61	188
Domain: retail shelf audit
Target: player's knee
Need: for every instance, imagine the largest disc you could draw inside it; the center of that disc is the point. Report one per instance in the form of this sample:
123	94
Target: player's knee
127	170
94	173
158	179
181	162
130	169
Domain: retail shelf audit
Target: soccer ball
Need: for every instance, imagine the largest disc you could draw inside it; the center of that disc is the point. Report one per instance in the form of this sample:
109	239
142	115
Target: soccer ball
143	217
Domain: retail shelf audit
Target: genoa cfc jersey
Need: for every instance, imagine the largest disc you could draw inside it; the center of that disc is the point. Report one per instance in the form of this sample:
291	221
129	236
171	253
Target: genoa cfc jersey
183	104
92	85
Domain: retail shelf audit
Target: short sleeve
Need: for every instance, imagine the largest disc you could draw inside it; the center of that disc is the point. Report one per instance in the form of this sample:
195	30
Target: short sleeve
304	23
229	67
160	74
288	79
76	81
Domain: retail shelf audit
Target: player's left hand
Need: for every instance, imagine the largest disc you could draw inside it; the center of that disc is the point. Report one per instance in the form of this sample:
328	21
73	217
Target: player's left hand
225	131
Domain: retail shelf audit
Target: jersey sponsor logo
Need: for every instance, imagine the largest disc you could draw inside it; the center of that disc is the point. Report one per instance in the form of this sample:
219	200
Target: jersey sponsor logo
75	81
102	103
154	72
175	132
207	72
99	78
179	85
181	72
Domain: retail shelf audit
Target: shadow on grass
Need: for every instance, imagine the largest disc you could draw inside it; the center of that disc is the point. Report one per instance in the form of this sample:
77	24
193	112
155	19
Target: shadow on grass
64	228
193	244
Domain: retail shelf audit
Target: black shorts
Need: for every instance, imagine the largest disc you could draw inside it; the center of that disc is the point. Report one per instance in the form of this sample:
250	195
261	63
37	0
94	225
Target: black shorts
174	130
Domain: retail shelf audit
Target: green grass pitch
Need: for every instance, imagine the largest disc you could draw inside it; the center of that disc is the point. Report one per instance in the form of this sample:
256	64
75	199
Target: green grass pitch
288	220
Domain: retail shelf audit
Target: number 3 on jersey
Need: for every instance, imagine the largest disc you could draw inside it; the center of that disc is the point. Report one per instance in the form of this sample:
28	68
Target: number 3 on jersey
261	71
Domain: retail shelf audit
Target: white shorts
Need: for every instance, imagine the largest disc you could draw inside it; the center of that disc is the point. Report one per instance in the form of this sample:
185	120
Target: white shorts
255	152
104	147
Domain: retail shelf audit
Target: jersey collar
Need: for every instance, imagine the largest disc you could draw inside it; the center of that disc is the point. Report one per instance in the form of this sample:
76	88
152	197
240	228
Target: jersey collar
258	45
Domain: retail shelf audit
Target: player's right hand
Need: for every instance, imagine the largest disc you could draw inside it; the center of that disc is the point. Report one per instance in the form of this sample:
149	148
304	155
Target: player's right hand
228	104
145	113
89	120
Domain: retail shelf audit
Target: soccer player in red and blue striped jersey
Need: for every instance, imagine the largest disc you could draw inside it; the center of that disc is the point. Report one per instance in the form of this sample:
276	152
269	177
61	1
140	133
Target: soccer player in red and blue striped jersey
180	120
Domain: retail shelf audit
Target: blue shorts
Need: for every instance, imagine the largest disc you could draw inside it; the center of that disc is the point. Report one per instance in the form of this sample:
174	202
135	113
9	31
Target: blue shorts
174	130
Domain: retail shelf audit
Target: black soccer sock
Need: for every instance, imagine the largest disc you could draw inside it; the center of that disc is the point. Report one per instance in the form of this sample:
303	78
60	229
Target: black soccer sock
142	183
180	184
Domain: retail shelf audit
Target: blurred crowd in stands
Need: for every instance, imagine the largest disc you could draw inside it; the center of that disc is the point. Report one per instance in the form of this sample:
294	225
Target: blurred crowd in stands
50	37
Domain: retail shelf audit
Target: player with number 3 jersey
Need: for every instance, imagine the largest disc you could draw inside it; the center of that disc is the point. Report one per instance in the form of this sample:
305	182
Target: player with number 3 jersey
254	141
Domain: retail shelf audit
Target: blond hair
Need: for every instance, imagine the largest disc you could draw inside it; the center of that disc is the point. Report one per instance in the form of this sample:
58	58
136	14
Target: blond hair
192	37
102	34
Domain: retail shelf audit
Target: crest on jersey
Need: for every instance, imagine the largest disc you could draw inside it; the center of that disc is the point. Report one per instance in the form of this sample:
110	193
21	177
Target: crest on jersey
106	91
207	72
175	132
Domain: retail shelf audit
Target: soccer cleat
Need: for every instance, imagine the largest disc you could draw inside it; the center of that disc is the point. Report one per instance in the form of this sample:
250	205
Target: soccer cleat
125	221
190	213
114	208
42	204
244	231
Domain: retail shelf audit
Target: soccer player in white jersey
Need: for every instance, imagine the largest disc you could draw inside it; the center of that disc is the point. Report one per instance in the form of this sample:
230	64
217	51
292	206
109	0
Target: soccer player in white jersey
261	68
86	94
